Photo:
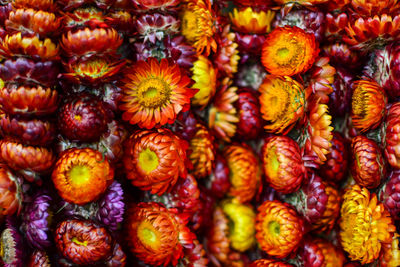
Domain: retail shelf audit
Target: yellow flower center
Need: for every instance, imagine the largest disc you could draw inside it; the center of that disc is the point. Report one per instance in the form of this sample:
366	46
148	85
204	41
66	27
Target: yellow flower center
79	243
282	52
148	235
274	228
153	92
272	163
189	25
78	118
148	160
79	174
1	84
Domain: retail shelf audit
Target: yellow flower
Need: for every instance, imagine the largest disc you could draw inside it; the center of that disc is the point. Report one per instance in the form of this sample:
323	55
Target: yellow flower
364	225
250	21
198	25
242	232
205	78
282	103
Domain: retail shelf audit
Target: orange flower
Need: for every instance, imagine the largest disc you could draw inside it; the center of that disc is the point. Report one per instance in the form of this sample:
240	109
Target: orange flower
15	46
252	21
154	93
92	71
365	224
367	164
222	116
199	25
279	229
245	172
26	100
157	235
10	192
368	105
87	42
283	166
30	161
227	56
333	255
319	132
328	219
391	253
282	101
370	8
155	159
82	175
202	153
289	51
32	21
45	5
269	263
372	32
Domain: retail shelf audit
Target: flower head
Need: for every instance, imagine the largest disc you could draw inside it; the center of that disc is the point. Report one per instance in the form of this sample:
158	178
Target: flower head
156	26
27	100
252	21
30	161
32	21
83	242
289	51
222	115
368	105
366	34
82	117
319	131
282	101
367	164
203	152
82	175
269	263
147	5
111	206
198	25
245	172
154	160
279	229
11	194
205	80
226	59
157	235
283	166
36	221
11	245
154	93
364	225
242	229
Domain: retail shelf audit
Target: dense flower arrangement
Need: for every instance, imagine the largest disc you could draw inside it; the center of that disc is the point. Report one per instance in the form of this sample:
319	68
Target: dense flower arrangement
193	133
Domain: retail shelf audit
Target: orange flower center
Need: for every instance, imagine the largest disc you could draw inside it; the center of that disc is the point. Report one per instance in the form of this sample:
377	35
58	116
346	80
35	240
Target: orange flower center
79	174
274	228
148	235
153	92
79	243
148	160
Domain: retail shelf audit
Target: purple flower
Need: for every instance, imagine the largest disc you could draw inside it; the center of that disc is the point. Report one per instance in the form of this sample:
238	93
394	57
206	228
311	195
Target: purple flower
36	221
111	206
